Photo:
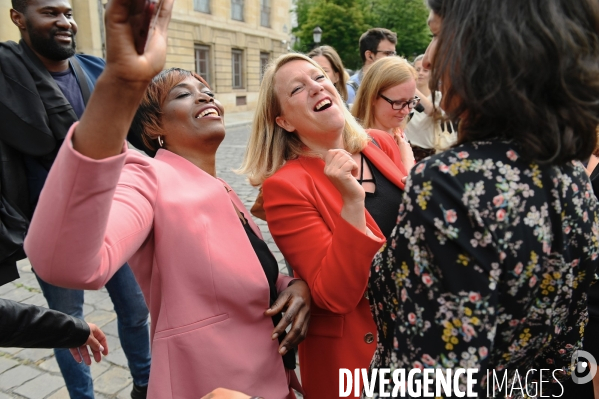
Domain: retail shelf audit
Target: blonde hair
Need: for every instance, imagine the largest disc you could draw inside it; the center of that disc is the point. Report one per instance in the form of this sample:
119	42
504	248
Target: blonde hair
330	54
384	74
270	146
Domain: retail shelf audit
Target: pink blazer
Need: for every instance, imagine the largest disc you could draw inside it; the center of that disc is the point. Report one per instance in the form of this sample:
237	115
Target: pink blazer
178	229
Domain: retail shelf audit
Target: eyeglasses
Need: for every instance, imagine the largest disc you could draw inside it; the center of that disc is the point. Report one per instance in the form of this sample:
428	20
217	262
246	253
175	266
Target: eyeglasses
388	53
399	105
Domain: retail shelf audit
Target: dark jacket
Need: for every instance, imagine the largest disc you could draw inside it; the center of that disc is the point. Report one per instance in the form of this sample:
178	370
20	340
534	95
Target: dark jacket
29	326
35	118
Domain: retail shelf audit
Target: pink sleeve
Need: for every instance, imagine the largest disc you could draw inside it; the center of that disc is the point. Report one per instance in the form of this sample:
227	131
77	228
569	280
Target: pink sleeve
91	217
283	282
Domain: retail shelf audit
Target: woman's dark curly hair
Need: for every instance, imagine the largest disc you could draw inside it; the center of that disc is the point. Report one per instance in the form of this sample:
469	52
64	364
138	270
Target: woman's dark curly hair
521	70
147	125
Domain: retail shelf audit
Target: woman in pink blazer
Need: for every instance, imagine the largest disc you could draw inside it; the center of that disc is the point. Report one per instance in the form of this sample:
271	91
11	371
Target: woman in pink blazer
204	271
320	172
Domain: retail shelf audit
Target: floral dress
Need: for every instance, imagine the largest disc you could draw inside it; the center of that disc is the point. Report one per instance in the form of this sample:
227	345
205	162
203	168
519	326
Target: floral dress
488	266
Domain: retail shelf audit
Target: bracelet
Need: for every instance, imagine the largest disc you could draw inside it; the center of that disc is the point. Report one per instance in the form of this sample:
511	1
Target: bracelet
256	397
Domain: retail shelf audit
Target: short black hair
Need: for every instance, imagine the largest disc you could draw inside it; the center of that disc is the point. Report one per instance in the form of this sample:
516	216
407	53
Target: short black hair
526	71
20	5
372	37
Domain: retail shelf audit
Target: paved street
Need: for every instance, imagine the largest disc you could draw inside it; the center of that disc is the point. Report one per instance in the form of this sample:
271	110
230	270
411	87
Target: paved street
34	373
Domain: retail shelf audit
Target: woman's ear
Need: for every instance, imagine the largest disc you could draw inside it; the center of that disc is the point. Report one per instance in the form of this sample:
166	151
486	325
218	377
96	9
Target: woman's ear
284	124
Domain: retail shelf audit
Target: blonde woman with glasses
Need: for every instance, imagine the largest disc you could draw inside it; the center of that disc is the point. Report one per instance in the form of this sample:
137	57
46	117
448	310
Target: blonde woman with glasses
385	99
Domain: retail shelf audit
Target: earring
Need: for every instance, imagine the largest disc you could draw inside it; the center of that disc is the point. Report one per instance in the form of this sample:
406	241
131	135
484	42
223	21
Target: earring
160	141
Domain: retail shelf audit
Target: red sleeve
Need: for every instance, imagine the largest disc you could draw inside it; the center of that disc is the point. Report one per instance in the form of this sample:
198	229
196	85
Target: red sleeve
389	146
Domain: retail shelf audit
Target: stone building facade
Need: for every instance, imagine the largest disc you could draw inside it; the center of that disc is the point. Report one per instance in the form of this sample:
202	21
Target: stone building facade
228	42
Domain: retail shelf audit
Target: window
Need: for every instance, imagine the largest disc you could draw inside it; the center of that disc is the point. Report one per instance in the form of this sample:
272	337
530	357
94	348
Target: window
264	60
202	61
237	9
237	63
265	13
202	6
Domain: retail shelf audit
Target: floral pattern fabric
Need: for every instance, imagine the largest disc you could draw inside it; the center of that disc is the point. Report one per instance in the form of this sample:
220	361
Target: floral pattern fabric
488	266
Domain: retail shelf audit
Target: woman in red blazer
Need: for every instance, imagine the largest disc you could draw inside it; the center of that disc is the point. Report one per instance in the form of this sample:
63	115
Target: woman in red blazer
317	168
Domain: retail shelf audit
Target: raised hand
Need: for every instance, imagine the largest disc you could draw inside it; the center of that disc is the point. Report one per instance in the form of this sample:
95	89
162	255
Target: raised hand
342	171
106	120
122	58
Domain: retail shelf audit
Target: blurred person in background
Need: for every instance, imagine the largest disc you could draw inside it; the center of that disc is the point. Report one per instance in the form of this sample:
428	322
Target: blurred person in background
386	98
428	132
375	43
331	63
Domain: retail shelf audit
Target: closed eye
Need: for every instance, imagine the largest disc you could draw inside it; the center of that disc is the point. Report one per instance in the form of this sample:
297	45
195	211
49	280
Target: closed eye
209	93
182	95
296	90
319	77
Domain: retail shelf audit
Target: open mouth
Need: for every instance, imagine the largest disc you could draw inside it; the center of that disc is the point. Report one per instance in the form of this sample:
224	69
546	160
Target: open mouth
322	105
208	112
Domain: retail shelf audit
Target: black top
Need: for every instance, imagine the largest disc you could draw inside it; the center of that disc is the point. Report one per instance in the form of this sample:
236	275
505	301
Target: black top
271	270
383	204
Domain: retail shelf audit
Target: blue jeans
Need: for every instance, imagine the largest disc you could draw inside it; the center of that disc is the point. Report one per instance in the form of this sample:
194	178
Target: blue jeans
132	322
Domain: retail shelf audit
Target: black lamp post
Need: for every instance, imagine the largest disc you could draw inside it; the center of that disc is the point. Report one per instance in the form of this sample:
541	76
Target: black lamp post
317	35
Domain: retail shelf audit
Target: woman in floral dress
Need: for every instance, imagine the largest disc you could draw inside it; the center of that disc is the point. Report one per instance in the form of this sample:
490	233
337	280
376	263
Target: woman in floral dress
496	241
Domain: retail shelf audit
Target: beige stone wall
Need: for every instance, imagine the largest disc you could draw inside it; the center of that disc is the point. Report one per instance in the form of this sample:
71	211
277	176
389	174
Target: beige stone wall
89	33
222	34
189	27
8	31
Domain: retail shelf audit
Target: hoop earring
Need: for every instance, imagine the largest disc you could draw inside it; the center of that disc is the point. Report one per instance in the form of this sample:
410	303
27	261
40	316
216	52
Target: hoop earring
160	141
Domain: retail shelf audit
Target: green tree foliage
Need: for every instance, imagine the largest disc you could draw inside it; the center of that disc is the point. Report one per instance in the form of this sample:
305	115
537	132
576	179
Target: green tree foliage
341	21
407	18
344	21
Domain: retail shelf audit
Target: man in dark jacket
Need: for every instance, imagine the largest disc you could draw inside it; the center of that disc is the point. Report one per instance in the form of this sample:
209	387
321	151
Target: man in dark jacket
44	87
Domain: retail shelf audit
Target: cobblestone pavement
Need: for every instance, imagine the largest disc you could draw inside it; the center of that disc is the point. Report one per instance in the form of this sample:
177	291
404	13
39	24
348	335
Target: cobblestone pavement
34	373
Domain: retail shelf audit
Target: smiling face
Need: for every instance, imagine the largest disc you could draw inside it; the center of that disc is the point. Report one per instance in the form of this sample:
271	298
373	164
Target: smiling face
310	105
48	28
385	117
192	118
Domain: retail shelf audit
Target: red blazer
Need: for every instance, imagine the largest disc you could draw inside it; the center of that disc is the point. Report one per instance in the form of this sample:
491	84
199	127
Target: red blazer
303	210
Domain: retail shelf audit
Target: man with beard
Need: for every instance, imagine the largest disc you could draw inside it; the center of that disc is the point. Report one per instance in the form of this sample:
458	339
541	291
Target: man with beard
44	87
